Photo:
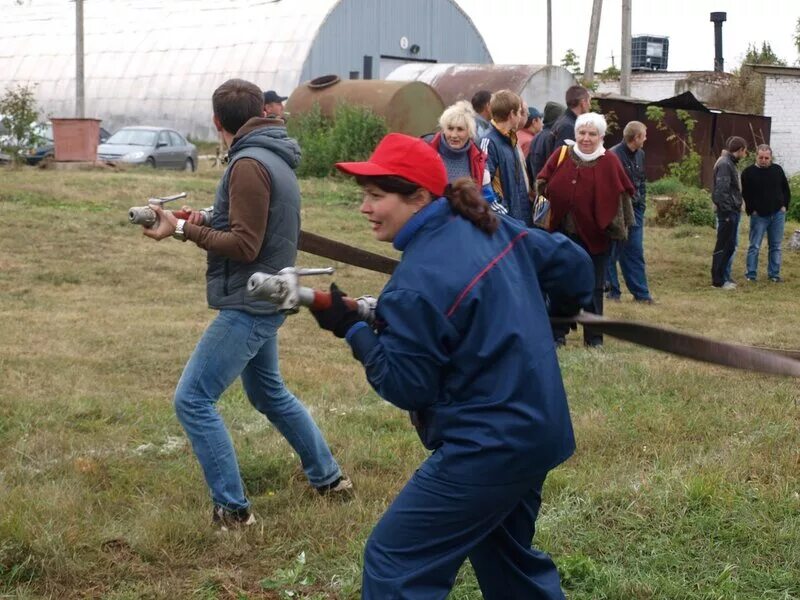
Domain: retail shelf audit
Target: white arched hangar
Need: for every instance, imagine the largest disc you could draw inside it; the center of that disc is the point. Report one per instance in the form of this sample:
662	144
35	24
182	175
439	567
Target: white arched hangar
157	63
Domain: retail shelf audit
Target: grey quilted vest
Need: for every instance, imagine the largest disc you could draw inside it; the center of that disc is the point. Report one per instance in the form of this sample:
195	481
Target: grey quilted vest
226	279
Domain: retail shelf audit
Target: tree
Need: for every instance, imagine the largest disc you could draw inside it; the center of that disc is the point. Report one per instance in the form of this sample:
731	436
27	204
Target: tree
797	37
18	114
570	62
744	90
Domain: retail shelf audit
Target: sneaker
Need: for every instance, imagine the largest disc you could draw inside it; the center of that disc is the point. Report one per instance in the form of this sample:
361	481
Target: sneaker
750	278
776	280
728	285
613	298
226	520
645	300
342	488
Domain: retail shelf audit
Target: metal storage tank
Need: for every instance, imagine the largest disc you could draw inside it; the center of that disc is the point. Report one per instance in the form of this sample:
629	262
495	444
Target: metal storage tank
410	107
157	63
537	84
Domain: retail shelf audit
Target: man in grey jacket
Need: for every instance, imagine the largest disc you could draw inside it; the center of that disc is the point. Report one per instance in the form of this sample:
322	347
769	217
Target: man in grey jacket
727	197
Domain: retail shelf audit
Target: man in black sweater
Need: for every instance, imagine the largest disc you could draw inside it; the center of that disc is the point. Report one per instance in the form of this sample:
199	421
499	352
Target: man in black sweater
766	199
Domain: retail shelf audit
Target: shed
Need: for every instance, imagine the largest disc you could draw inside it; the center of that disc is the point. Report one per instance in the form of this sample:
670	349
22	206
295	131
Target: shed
713	127
157	63
535	83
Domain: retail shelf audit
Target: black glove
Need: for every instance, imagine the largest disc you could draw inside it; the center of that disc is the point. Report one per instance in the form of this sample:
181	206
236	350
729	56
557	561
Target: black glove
337	318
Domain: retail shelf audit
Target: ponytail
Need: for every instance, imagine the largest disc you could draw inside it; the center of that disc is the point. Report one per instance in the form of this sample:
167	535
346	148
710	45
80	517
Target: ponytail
466	200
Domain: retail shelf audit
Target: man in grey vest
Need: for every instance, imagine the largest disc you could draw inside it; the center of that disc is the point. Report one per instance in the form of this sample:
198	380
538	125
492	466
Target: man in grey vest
255	227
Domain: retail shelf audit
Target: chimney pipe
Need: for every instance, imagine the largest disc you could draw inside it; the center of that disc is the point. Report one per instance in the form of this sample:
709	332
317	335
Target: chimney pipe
718	18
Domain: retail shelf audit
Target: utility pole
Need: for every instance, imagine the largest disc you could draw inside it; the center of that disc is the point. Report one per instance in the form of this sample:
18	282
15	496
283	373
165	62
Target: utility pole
80	112
591	49
625	71
550	32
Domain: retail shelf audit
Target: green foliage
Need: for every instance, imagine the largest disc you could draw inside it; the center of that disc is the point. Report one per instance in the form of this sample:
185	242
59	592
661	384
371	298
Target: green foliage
679	203
351	135
793	213
687	169
797	36
571	62
744	90
18	116
289	580
764	56
610	74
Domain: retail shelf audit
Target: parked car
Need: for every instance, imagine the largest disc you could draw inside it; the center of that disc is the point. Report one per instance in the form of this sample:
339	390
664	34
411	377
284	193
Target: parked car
47	148
157	147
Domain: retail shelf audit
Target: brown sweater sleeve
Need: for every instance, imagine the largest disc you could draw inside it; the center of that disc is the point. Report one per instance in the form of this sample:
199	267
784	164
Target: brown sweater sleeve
249	189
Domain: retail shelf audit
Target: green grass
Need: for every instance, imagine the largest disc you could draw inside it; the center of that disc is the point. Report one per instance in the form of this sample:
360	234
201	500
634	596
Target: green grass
685	484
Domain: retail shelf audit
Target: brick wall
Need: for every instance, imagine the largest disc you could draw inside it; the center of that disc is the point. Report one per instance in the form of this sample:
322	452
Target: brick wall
781	103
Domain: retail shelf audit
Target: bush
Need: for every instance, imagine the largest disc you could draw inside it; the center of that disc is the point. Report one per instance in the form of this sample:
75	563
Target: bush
793	213
351	135
681	204
18	115
687	170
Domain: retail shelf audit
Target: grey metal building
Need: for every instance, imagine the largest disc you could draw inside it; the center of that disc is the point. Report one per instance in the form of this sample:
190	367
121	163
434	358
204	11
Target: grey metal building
157	63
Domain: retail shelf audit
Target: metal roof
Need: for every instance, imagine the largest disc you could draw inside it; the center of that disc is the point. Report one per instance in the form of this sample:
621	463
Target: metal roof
169	56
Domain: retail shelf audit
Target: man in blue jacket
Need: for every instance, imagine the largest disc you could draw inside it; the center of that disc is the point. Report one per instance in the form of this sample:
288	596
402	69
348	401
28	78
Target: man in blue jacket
503	160
630	253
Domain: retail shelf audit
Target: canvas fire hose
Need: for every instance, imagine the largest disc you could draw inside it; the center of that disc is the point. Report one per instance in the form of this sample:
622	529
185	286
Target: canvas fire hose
284	289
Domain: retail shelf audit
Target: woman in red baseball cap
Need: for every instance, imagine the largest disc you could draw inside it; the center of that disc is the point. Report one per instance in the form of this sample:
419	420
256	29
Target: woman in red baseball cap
462	340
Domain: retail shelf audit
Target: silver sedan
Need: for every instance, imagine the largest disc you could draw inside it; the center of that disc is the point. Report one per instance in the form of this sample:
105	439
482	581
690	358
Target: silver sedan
156	147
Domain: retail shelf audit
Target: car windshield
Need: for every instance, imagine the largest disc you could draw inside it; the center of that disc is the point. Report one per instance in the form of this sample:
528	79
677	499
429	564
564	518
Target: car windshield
133	137
45	132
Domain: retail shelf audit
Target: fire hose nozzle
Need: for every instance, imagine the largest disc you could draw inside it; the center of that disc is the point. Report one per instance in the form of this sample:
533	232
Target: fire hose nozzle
146	216
284	290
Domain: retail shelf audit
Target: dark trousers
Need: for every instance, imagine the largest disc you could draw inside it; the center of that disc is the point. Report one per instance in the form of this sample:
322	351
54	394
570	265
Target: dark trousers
728	225
418	546
591	337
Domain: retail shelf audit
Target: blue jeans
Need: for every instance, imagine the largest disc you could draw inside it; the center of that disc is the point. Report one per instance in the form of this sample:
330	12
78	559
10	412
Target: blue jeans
238	343
630	255
729	264
772	225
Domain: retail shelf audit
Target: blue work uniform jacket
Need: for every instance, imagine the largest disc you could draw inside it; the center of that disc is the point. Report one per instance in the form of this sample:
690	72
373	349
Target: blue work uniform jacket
463	339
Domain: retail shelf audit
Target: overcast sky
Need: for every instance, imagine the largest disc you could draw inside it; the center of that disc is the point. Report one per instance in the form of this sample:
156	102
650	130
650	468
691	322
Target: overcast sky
515	30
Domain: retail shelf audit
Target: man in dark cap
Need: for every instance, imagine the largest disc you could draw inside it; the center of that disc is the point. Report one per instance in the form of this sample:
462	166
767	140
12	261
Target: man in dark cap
273	104
537	154
529	129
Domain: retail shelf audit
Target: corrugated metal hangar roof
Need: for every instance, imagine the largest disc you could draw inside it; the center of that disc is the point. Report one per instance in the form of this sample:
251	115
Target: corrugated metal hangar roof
157	63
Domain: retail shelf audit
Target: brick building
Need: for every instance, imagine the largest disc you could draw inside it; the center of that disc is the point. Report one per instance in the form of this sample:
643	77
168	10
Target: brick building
781	92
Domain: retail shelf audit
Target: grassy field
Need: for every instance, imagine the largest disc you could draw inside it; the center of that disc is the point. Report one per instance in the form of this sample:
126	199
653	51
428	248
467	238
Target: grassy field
685	484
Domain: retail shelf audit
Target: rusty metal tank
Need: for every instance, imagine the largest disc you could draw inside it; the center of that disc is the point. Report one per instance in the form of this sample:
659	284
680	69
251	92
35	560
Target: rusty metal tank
410	107
537	84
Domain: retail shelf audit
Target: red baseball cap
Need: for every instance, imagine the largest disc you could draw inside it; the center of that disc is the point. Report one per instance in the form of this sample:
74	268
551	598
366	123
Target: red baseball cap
403	156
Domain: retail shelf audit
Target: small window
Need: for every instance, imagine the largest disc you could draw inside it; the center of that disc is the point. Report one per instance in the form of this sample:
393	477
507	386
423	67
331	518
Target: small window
176	138
163	138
